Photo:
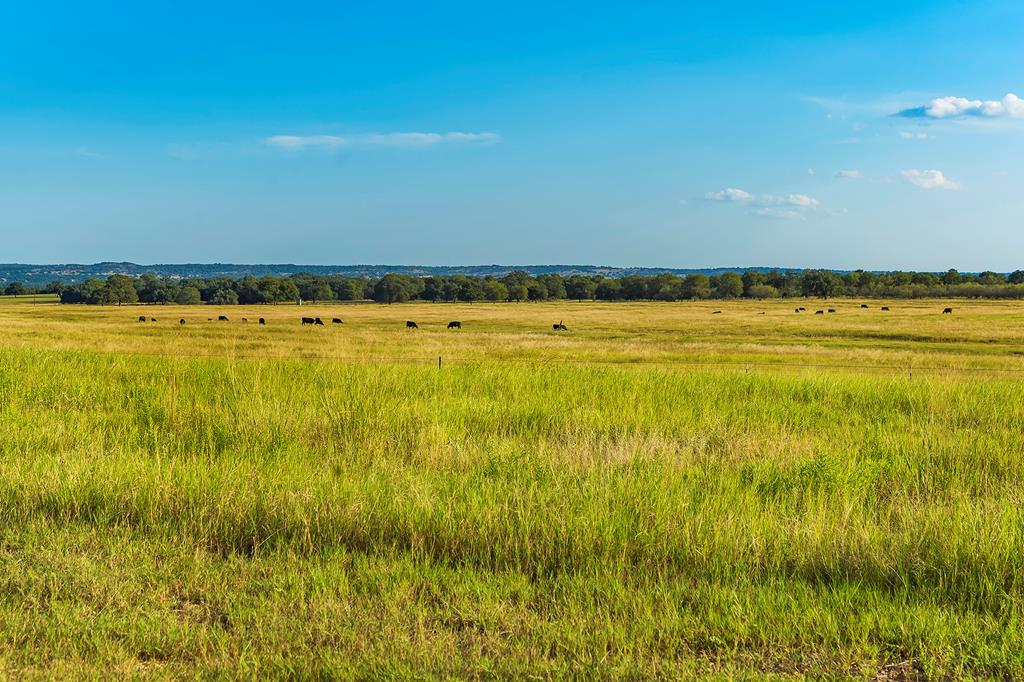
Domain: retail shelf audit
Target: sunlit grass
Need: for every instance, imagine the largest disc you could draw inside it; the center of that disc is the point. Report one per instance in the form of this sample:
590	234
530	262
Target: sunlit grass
225	498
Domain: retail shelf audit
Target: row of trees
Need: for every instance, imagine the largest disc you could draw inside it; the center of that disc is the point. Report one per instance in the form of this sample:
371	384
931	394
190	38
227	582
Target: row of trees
520	286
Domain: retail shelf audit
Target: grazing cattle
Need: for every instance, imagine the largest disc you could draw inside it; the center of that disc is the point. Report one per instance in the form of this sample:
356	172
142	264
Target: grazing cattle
308	320
831	310
802	309
885	308
761	313
560	327
262	321
245	319
819	312
863	305
455	325
181	322
947	311
336	320
717	312
142	318
409	324
222	318
318	321
152	319
796	310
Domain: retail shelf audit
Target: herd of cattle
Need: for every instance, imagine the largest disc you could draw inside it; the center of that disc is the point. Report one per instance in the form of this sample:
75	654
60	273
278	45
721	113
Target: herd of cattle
945	311
316	321
455	324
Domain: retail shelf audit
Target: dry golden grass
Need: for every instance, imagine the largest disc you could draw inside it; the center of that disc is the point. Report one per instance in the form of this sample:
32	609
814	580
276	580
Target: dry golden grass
980	334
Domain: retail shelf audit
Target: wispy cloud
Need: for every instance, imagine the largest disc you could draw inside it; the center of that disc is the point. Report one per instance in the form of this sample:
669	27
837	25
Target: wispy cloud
930	179
730	194
404	140
768	205
1010	106
852	174
908	135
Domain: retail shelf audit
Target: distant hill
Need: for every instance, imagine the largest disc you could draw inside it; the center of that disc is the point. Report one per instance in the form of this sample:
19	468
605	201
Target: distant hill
70	273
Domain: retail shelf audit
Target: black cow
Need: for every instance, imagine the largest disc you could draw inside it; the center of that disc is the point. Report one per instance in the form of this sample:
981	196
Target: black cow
142	318
717	312
831	310
863	305
181	322
318	321
409	324
262	321
308	320
222	318
336	320
803	309
885	308
560	327
796	310
455	325
152	319
819	312
947	311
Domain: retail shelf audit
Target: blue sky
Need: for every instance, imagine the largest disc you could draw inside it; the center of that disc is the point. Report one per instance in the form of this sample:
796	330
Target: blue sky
875	134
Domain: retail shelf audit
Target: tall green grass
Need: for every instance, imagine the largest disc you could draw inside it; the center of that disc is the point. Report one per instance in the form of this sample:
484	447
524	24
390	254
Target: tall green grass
501	519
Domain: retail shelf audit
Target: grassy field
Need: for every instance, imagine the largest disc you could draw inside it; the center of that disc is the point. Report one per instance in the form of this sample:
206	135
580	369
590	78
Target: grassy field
663	491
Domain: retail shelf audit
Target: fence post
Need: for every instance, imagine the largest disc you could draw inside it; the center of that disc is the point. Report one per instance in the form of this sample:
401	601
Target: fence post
439	362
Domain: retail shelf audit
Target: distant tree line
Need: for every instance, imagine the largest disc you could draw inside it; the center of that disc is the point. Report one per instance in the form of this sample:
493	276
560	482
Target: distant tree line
520	286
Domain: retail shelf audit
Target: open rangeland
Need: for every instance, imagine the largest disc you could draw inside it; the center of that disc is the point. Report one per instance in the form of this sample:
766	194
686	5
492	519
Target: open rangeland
659	490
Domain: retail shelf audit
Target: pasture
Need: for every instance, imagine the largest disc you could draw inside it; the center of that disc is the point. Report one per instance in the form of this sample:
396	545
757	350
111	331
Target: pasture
660	491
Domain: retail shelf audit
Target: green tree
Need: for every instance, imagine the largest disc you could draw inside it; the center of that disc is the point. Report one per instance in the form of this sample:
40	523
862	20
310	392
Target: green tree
822	283
470	288
224	297
729	285
751	278
609	289
763	291
517	292
991	278
316	290
554	285
118	289
580	287
187	295
1016	277
393	288
495	290
15	289
696	286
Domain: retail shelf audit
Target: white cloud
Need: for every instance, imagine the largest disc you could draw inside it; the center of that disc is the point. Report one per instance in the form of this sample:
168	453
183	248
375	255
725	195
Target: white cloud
770	205
1010	106
398	140
784	213
929	179
848	174
908	135
730	194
